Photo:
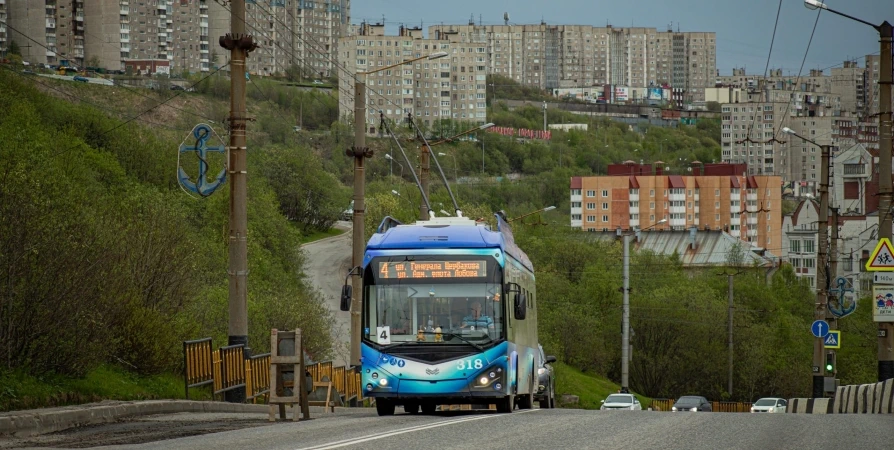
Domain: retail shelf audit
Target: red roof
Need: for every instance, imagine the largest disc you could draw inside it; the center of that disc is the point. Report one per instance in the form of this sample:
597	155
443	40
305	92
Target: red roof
751	182
634	184
734	181
576	183
676	181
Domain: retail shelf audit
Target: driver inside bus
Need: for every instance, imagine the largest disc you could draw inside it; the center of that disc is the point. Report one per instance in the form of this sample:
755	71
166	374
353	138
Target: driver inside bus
477	321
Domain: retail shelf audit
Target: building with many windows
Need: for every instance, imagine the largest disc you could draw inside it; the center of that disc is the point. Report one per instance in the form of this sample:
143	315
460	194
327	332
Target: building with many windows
453	87
582	56
107	33
714	196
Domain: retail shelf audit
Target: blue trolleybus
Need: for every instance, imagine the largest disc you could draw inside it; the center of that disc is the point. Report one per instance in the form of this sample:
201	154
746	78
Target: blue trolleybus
449	317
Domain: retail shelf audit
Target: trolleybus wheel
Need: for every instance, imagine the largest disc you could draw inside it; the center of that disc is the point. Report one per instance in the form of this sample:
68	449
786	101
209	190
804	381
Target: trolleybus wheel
384	407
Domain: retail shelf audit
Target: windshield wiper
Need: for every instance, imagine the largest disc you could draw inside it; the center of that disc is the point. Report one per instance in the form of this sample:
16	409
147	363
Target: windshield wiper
480	348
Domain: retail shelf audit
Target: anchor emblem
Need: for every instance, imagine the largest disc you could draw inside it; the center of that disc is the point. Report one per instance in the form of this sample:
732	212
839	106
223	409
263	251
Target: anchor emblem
841	305
201	186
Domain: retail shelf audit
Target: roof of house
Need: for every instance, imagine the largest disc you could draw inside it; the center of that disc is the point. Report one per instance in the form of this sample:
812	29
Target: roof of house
711	247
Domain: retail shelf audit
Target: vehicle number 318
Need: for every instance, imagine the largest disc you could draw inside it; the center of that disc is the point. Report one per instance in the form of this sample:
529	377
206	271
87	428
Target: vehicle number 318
468	364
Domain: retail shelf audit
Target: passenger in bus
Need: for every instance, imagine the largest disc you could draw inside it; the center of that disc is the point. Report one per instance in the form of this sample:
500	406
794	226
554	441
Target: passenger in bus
477	321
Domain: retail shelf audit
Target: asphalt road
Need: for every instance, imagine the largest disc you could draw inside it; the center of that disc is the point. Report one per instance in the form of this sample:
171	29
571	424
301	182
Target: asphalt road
535	429
326	264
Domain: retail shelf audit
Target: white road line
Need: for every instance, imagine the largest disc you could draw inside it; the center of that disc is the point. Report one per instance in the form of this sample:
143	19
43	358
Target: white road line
346	442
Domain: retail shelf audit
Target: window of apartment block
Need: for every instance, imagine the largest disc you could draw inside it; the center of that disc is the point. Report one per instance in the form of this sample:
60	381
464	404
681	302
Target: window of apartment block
716	192
808	246
652	217
591	193
591	218
809	263
604	193
651	205
651	192
605	218
716	216
591	206
605	206
575	192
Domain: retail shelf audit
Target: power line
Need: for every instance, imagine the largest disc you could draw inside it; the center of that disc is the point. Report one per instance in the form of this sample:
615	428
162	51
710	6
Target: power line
798	79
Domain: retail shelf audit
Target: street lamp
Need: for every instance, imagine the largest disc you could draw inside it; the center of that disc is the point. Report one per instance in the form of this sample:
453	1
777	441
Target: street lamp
822	299
389	158
625	312
548	208
455	177
886	79
359	152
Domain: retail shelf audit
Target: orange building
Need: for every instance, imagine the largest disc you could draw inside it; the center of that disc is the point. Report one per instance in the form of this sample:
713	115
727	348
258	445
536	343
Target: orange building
714	196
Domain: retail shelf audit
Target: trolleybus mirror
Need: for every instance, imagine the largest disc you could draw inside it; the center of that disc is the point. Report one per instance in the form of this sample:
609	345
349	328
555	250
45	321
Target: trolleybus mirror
521	306
346	292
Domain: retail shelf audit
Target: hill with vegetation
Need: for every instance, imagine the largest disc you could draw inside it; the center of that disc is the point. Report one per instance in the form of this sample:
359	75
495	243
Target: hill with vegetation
110	264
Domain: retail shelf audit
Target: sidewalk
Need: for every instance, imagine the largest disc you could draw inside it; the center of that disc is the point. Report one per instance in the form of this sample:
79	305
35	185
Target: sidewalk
34	422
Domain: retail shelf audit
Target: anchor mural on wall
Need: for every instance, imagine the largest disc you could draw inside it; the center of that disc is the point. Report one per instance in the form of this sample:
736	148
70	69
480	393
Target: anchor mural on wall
202	133
840	304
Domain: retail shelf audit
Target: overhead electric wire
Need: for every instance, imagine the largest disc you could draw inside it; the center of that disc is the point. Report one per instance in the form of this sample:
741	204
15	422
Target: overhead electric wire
804	60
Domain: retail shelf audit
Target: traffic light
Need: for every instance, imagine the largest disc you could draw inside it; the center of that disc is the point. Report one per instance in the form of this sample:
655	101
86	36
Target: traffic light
830	362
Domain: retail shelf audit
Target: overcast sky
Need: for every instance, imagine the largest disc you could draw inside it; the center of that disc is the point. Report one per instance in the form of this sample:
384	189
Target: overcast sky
743	27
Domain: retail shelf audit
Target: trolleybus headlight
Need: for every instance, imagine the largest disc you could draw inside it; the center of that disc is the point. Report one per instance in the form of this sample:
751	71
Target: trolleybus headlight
541	371
483	380
383	382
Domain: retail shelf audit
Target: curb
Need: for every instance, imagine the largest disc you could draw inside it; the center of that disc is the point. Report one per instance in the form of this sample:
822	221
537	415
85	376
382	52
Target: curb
40	421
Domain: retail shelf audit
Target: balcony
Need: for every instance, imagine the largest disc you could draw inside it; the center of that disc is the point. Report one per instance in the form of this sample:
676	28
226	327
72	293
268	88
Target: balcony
854	170
51	24
124	11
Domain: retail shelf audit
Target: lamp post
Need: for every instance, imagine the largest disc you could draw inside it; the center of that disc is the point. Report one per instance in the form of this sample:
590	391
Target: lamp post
359	152
822	299
625	312
886	79
389	158
455	177
548	208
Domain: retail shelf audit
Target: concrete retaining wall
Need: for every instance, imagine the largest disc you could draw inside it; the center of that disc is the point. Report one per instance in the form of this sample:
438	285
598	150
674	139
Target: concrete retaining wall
876	398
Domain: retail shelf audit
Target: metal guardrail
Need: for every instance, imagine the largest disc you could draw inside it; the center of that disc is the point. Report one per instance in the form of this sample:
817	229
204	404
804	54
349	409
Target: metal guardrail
227	368
197	362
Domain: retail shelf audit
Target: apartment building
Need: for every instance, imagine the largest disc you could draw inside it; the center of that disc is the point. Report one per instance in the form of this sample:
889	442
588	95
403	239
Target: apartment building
108	33
49	30
3	32
581	56
453	87
715	196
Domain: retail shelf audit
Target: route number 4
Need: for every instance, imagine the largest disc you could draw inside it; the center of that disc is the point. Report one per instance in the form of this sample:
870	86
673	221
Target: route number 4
468	364
383	335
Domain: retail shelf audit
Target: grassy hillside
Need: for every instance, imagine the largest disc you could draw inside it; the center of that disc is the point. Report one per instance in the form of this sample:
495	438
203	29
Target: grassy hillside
590	389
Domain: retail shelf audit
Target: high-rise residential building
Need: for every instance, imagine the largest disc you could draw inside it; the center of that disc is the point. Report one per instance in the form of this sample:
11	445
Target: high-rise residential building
3	18
716	196
581	56
49	31
452	87
106	33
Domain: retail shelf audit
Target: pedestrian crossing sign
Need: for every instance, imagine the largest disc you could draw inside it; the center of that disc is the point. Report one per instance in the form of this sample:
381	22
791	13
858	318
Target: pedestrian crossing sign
882	258
833	339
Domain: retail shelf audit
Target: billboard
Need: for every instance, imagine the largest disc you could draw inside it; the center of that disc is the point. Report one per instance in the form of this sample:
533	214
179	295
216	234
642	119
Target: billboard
655	93
621	94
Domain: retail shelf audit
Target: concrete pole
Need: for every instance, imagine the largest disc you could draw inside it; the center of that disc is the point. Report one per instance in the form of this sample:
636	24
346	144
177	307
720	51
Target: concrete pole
424	178
822	254
625	319
358	242
239	45
833	274
730	386
886	32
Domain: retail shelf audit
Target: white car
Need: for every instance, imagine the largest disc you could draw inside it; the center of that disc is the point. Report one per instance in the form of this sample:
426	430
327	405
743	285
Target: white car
627	402
769	405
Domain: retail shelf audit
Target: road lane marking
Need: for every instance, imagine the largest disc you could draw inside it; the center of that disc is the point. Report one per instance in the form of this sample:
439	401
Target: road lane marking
359	440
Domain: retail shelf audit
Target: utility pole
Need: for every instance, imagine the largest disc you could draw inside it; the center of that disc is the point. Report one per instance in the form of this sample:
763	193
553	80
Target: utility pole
424	172
833	274
544	116
239	44
625	319
730	295
822	257
359	151
886	329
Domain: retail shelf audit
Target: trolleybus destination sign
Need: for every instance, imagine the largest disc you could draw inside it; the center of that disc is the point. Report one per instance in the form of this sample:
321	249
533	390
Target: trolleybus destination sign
433	269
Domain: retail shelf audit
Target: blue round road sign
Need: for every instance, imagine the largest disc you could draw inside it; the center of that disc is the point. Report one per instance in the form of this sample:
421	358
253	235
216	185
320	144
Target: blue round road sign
819	328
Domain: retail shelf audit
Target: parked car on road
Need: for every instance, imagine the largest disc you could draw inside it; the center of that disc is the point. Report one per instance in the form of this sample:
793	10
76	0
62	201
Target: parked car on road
769	405
546	385
692	403
80	78
348	214
627	402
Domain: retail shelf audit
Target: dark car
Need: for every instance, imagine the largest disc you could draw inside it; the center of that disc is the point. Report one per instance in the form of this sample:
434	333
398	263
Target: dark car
546	386
175	87
692	403
80	78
